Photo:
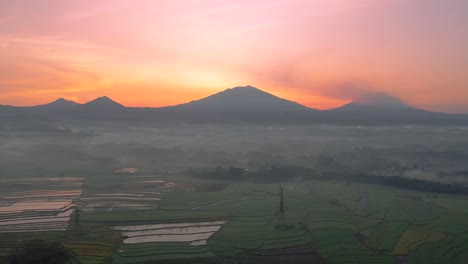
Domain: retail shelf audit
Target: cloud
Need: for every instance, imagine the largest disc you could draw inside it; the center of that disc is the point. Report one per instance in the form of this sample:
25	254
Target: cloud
297	77
347	91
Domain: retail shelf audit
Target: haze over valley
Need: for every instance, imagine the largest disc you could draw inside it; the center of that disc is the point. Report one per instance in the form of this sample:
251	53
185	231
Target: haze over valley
129	135
134	176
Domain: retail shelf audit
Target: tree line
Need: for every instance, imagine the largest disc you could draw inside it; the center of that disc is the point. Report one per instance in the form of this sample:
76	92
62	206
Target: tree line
298	173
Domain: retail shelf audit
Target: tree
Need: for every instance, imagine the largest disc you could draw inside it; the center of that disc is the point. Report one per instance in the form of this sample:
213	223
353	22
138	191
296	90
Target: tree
235	173
40	252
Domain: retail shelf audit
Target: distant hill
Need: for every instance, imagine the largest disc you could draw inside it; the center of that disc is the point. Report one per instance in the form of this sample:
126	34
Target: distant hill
102	103
244	98
244	104
59	104
381	108
380	102
101	108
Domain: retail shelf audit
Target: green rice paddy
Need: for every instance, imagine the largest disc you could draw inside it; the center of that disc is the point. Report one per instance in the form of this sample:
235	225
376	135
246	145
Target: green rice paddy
323	223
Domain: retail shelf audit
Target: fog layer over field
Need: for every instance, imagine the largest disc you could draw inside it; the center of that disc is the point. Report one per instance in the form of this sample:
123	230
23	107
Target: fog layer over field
429	153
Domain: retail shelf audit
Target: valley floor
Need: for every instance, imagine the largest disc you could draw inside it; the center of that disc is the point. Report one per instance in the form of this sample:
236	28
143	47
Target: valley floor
151	219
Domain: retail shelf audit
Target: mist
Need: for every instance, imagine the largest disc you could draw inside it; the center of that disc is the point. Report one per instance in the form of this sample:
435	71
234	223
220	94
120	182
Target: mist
429	153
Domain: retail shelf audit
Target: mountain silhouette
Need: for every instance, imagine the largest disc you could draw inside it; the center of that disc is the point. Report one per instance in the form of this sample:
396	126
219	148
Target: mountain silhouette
381	100
382	108
378	104
59	104
243	104
103	103
101	108
244	98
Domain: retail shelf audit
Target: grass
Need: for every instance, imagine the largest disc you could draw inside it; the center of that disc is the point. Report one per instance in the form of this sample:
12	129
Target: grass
413	237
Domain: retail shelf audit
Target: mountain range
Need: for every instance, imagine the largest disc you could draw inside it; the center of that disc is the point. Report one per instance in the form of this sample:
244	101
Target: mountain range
245	104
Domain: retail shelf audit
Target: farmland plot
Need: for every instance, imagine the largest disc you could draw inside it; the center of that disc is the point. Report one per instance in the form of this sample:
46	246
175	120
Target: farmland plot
144	219
166	241
196	233
137	193
40	205
36	209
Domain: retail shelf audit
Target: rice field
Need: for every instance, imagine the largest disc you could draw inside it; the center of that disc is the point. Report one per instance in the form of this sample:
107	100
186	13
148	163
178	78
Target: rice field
40	205
36	209
196	233
146	219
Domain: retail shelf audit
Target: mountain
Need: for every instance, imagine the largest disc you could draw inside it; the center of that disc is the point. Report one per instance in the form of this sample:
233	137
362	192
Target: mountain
381	104
243	103
45	109
102	109
59	104
382	99
244	98
381	108
103	103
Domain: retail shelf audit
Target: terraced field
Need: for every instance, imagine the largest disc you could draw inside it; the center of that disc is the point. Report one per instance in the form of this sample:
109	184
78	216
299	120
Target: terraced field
146	219
36	209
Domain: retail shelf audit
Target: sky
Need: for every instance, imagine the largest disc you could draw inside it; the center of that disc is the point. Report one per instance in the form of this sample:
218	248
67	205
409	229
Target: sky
320	53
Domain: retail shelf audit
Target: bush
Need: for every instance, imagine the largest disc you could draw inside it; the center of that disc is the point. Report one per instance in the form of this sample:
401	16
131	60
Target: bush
40	252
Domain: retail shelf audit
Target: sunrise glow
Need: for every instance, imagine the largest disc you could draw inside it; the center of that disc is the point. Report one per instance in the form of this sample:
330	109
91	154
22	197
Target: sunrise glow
155	53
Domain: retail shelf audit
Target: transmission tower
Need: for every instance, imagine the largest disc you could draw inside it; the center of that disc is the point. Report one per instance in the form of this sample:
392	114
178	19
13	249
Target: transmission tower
281	212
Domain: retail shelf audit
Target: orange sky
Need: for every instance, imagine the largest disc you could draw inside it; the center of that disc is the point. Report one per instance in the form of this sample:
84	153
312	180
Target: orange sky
163	52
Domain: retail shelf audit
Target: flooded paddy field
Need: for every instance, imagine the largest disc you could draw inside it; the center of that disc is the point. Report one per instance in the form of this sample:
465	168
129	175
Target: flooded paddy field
149	219
38	205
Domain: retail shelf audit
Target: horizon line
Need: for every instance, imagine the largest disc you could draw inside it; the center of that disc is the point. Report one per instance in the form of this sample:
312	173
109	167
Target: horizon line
220	91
